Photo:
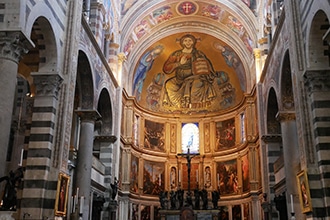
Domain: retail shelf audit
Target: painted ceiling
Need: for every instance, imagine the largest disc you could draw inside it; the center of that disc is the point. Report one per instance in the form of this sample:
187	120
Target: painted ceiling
212	76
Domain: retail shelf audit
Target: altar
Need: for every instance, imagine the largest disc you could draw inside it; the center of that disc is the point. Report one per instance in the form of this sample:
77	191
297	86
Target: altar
189	214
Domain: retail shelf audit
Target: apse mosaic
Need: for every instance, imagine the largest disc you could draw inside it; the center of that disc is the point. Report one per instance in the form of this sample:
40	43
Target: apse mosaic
189	73
153	177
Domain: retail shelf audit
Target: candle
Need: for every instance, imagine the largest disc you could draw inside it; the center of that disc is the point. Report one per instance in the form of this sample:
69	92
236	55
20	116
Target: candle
81	208
292	210
218	177
72	204
179	176
21	160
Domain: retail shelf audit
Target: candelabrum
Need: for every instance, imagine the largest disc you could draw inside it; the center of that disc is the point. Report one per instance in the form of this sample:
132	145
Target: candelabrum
292	216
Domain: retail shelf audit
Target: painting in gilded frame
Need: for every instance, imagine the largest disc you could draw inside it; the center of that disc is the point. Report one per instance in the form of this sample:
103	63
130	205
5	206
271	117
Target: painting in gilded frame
62	194
154	136
225	134
153	177
304	194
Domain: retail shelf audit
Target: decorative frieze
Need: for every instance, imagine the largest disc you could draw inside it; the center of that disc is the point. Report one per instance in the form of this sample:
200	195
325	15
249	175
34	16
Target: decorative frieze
317	81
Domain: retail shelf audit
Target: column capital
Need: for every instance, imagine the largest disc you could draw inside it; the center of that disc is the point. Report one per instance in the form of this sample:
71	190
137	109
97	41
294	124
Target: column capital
257	53
121	57
47	84
271	138
317	81
106	138
282	116
88	114
13	45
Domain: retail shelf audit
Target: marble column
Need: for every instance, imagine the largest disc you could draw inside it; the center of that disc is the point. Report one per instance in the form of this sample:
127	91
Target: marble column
84	158
12	47
291	159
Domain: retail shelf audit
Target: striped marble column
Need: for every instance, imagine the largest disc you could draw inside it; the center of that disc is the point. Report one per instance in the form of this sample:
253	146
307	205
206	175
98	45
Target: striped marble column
317	84
39	183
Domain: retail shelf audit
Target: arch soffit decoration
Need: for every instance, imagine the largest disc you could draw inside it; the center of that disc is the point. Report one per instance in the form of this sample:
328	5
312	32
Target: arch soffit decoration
312	28
42	14
177	24
85	81
286	93
105	105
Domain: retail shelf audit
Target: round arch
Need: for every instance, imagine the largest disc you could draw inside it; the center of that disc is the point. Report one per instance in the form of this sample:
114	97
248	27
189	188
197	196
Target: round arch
287	100
316	56
84	83
39	23
273	126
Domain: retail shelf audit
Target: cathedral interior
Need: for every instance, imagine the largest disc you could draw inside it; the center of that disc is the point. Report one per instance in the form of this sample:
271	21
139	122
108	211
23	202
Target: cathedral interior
165	110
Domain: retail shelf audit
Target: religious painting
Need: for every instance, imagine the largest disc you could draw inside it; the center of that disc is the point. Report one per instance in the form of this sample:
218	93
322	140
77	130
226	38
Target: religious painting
62	194
304	193
190	137
227	179
134	173
237	213
153	177
194	73
225	134
154	136
245	173
145	212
